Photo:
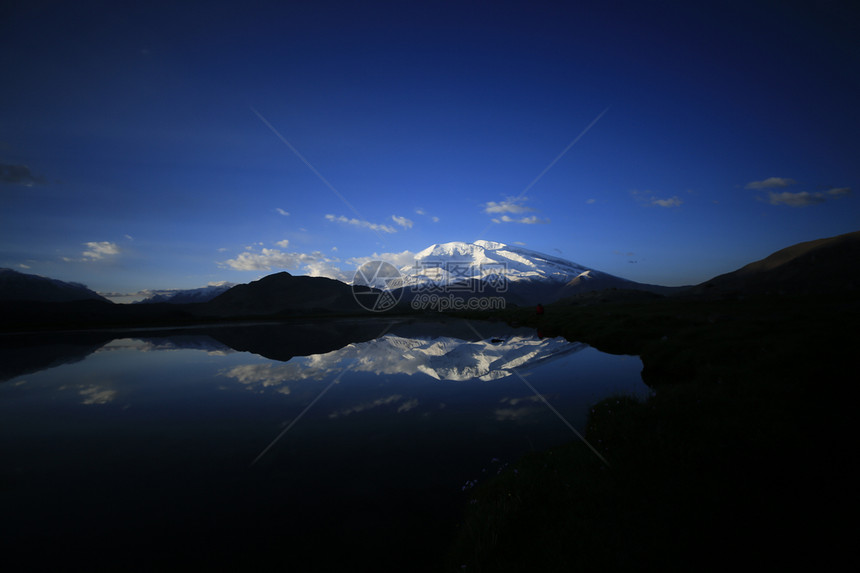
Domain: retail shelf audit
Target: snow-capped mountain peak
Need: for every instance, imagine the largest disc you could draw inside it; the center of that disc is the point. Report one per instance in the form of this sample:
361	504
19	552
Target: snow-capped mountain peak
488	260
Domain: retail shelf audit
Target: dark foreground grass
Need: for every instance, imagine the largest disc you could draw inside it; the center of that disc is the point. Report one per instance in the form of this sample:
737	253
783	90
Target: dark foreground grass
741	457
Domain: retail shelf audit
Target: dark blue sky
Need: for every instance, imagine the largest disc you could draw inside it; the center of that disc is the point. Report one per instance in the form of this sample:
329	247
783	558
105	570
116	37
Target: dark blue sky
153	147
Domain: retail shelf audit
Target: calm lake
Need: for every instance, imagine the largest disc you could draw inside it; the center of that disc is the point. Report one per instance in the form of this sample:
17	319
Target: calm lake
297	446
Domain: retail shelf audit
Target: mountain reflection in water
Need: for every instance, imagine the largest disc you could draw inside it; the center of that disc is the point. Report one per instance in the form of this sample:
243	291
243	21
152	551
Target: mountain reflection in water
446	350
443	358
146	440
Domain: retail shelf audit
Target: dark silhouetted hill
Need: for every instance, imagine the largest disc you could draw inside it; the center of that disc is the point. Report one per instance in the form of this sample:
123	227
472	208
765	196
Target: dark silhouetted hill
822	266
15	286
283	294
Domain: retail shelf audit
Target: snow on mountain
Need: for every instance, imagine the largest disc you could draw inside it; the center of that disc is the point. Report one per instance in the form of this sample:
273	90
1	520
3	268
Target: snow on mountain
447	263
181	296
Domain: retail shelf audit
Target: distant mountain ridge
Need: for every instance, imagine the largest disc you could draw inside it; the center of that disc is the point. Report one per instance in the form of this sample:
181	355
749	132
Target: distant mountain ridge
17	286
185	296
818	267
813	267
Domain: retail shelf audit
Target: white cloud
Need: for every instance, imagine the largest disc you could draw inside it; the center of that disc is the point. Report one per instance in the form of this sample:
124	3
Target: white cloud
591	201
99	250
282	212
363	224
509	205
402	221
531	220
671	202
770	183
268	259
837	191
283	244
399	260
513	205
314	264
435	219
326	268
23	266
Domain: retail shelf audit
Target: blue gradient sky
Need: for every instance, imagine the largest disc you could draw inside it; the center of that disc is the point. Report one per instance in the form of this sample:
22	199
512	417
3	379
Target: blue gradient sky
142	147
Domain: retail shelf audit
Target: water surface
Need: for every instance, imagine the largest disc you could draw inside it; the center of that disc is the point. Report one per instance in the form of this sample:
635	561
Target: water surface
344	443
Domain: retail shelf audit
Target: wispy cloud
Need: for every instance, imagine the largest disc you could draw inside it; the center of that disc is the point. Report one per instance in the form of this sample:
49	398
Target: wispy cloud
421	211
331	187
283	244
530	220
362	224
771	183
282	212
404	406
402	221
648	198
97	395
670	202
805	198
19	175
794	198
799	199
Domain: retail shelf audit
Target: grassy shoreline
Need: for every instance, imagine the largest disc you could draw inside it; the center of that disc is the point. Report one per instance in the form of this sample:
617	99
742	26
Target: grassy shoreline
740	456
